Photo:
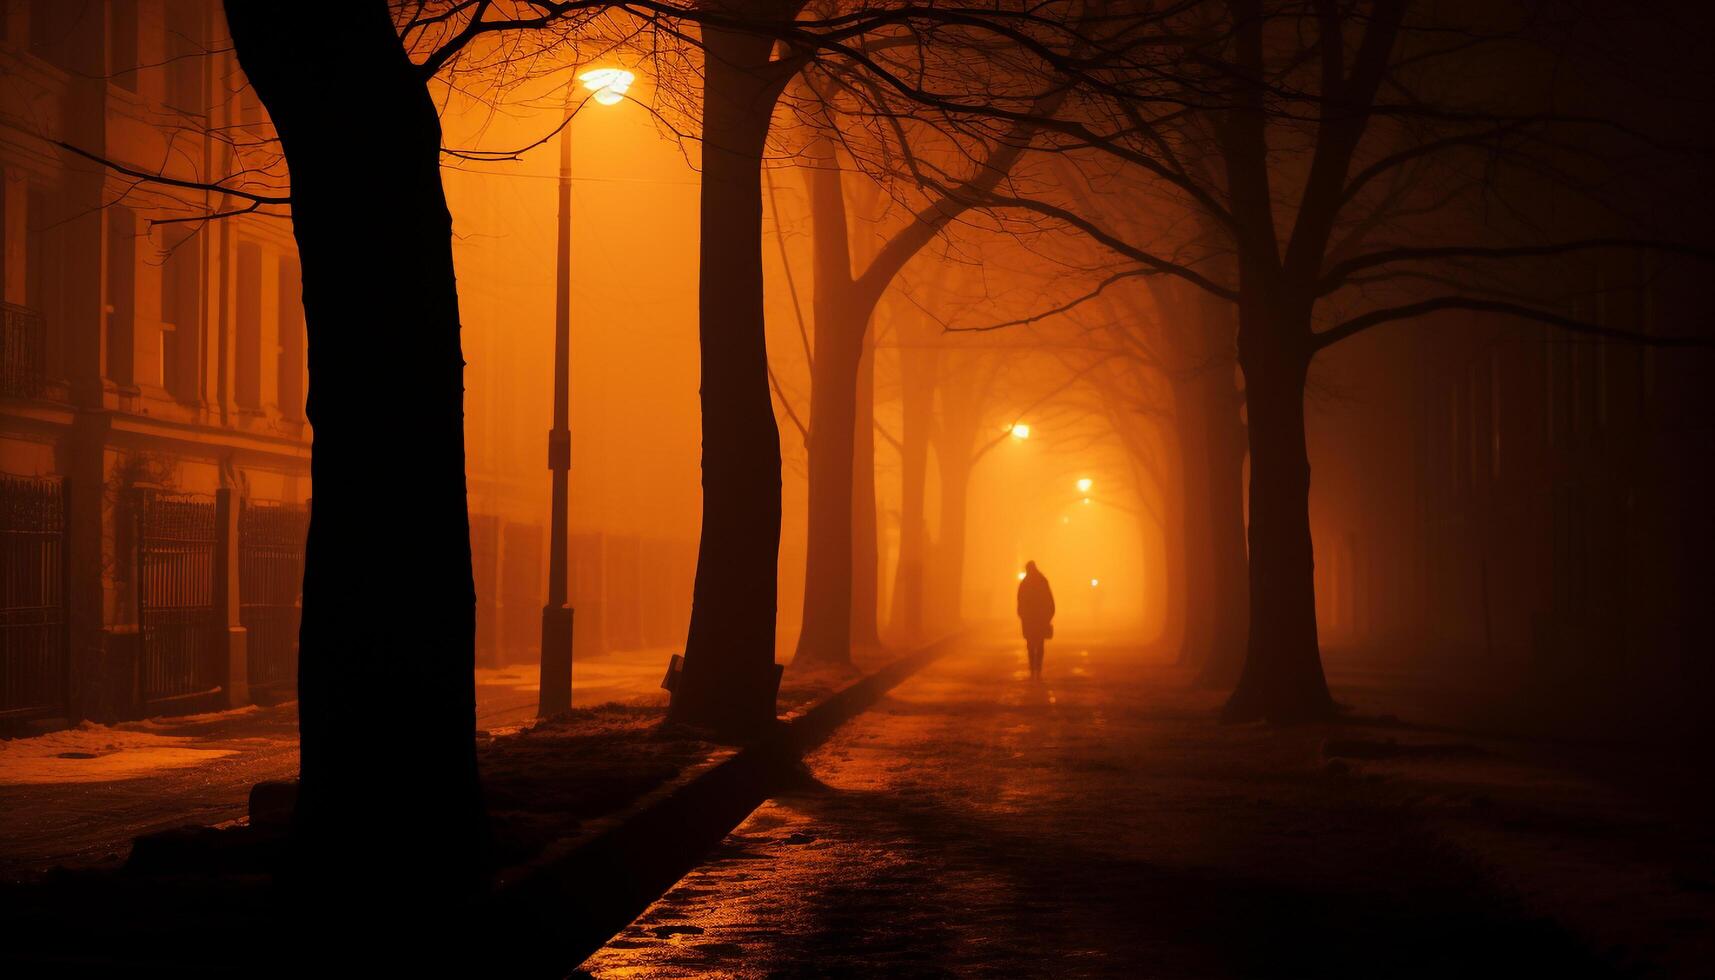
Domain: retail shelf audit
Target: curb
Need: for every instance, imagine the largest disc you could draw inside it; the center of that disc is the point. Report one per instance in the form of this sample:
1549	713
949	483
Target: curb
580	892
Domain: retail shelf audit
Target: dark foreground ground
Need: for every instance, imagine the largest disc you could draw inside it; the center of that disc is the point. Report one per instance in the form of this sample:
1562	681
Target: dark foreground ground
77	798
1102	824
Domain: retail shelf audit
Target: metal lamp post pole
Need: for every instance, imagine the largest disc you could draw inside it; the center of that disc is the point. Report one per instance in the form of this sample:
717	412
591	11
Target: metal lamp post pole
556	687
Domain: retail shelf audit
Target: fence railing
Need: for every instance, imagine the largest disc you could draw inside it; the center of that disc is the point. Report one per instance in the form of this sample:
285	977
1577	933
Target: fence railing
23	352
270	588
33	638
176	611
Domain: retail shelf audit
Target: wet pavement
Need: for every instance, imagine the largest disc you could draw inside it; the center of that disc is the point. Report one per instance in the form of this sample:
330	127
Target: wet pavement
1099	823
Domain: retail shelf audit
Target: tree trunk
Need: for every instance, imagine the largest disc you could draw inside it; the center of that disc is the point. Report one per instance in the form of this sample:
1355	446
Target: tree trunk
842	318
1282	679
866	630
949	566
385	679
917	384
955	457
729	677
827	631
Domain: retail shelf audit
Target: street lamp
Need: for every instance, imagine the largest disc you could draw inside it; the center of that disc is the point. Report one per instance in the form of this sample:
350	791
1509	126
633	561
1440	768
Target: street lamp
1020	430
1085	484
607	87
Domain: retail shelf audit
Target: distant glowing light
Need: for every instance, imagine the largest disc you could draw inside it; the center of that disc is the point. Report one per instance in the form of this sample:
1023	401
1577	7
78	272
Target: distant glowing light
609	85
1066	519
1021	576
1020	431
1095	582
1086	500
1085	484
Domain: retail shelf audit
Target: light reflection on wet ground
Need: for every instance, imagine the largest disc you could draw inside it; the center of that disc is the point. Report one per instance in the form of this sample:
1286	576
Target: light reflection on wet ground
1096	824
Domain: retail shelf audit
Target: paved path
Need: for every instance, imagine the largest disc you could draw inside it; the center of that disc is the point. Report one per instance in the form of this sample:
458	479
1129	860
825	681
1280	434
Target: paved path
1096	824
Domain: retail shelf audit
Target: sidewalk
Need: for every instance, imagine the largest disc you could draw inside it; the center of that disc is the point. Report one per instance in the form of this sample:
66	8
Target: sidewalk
1103	823
78	797
602	794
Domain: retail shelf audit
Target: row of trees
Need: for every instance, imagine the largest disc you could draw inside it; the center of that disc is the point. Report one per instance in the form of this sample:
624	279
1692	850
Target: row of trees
1280	175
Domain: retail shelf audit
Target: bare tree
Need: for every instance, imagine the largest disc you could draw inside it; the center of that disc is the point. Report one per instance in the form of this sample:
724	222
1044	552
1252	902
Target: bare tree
845	300
401	634
1355	179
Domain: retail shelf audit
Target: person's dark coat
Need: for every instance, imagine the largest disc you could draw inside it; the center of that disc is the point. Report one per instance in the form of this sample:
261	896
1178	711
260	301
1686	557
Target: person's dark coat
1035	605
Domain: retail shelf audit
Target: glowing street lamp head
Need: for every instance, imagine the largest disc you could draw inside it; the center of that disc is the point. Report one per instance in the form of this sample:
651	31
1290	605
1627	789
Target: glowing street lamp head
1021	576
609	85
1095	582
1085	484
1020	430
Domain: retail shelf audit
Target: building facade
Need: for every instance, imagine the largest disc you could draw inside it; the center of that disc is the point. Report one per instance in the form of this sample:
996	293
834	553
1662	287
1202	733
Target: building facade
153	446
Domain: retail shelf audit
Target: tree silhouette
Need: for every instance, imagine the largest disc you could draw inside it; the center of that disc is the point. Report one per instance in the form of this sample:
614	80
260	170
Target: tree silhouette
388	605
845	301
1317	139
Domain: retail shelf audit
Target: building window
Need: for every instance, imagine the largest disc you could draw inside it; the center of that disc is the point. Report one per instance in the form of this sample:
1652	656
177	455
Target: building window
51	27
187	57
181	313
121	294
122	44
42	282
247	377
291	320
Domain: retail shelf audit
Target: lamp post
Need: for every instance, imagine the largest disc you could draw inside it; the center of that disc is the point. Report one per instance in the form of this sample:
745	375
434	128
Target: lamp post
608	86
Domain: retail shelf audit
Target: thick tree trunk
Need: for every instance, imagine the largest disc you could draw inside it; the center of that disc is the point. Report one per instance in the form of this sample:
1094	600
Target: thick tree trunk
729	677
842	315
917	383
955	449
827	631
1282	680
385	684
866	627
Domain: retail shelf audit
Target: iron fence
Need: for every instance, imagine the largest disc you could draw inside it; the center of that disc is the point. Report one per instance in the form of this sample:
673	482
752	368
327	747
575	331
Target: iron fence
176	543
23	352
33	637
270	588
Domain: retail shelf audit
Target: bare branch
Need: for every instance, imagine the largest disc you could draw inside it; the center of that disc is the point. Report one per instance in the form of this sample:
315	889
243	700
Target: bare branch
1357	324
1338	275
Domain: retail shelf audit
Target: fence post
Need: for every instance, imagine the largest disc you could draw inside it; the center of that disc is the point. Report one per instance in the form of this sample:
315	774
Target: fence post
230	639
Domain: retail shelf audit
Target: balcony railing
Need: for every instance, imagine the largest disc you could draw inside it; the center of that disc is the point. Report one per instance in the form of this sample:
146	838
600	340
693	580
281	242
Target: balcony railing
23	352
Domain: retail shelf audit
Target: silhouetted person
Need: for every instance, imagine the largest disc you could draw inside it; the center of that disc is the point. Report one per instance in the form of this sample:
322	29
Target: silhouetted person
1035	614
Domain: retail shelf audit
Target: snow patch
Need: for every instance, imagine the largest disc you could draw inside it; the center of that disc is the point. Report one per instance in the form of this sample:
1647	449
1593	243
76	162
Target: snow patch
93	753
